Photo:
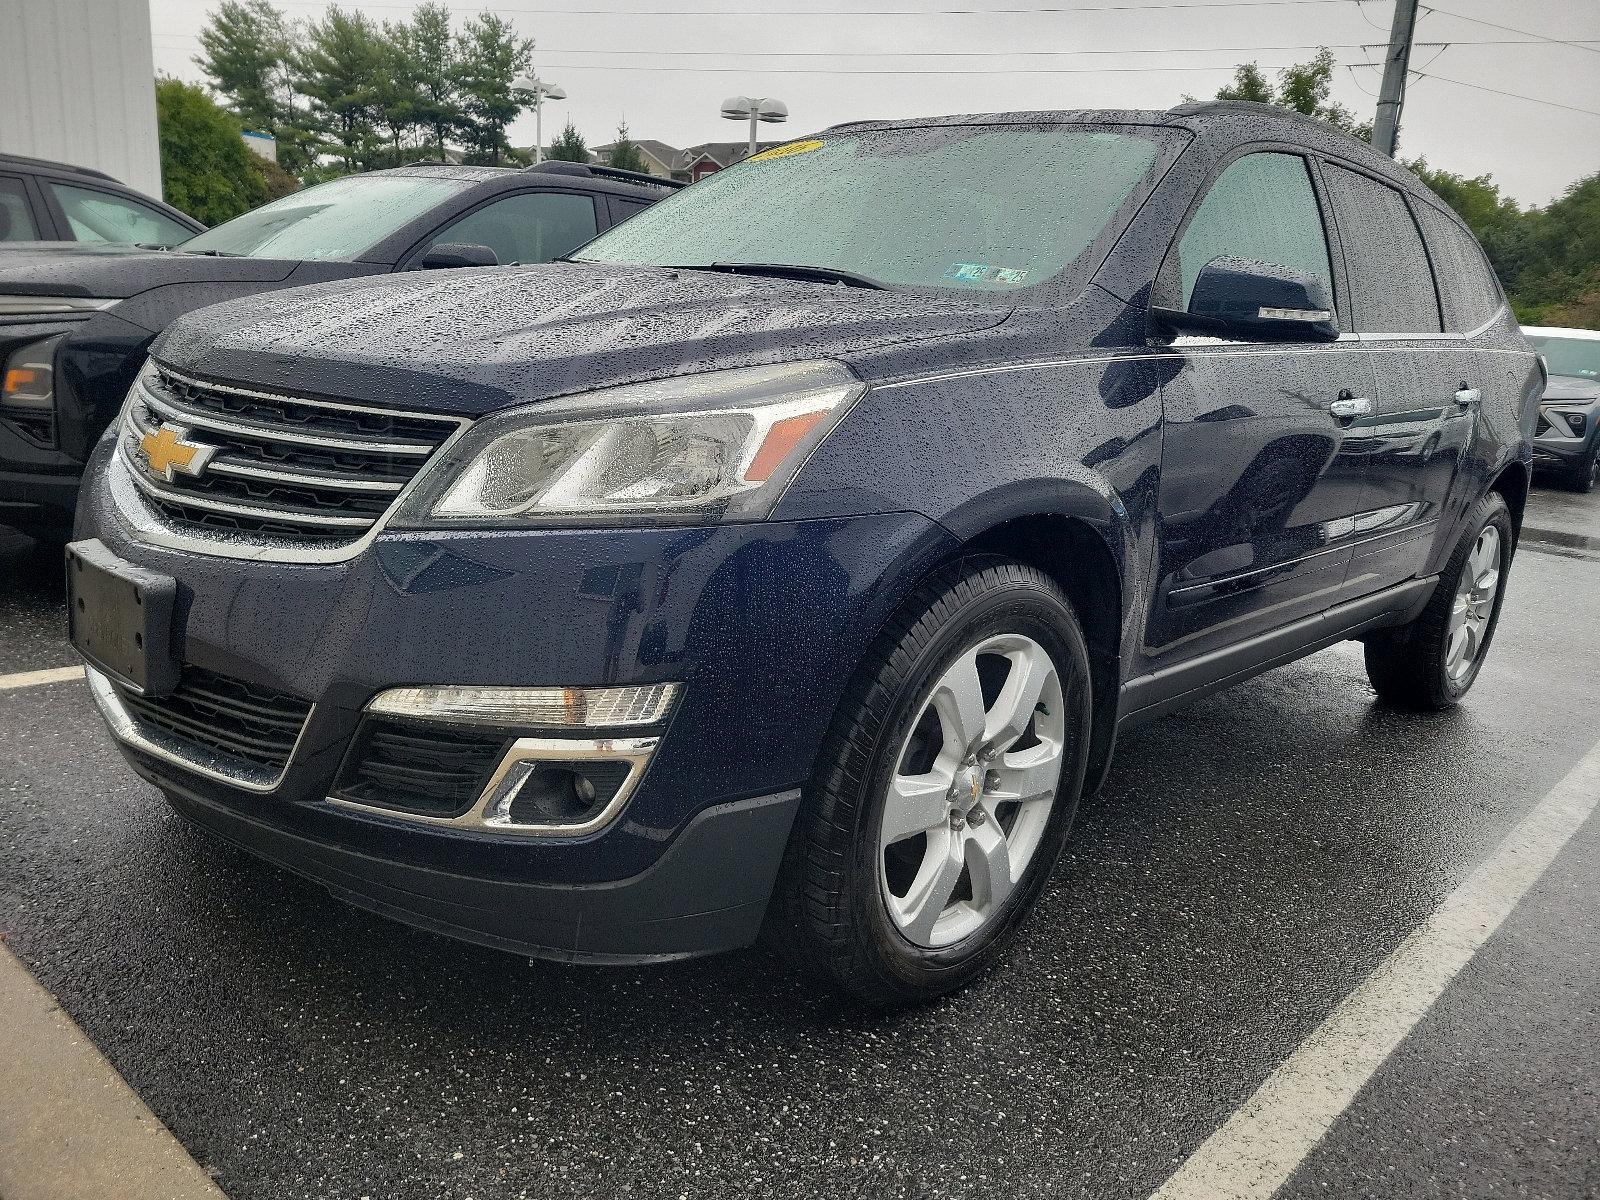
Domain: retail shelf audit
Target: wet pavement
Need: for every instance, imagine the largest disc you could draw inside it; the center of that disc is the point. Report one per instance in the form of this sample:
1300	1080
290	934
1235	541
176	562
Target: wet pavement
1248	864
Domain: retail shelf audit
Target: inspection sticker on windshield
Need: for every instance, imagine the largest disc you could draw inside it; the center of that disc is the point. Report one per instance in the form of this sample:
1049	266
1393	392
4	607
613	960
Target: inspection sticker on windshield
785	151
986	273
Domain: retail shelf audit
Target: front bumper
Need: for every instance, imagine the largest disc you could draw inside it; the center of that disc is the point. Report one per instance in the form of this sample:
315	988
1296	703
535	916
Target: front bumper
760	624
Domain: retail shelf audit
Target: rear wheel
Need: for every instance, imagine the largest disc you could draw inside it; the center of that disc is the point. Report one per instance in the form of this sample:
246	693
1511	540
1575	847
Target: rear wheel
1433	662
945	789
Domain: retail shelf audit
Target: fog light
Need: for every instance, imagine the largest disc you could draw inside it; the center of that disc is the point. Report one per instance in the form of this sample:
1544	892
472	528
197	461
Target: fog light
563	793
531	708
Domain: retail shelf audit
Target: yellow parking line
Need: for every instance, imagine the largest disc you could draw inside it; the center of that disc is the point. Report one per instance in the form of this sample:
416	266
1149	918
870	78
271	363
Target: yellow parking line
34	678
70	1126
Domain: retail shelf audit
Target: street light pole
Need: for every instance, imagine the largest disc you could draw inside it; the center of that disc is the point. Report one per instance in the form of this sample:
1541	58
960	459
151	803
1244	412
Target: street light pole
541	91
758	108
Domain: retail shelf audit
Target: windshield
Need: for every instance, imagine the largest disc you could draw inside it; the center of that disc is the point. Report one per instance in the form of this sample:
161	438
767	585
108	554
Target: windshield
340	220
967	208
1569	356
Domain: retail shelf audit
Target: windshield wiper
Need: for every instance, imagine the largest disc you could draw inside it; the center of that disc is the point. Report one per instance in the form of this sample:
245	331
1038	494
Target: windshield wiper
210	253
788	271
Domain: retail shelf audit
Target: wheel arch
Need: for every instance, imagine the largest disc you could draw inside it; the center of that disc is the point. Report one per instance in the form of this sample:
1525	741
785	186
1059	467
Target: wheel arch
1512	484
1083	548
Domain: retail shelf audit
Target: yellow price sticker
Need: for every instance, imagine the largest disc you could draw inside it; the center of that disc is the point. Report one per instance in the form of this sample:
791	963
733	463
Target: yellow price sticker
787	149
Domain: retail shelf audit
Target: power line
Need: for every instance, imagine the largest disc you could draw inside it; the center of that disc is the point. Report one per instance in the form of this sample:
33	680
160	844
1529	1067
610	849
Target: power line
555	66
860	12
1001	53
1496	91
1575	43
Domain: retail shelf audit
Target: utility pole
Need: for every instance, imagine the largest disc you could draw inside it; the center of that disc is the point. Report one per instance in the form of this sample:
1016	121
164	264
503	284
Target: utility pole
1392	97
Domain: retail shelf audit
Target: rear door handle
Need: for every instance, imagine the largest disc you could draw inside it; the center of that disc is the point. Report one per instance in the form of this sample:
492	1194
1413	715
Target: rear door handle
1348	407
1468	397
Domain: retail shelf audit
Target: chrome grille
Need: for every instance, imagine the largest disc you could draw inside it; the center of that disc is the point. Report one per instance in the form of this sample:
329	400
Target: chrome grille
276	465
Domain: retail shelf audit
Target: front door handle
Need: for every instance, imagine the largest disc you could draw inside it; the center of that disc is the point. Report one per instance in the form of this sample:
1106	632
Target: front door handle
1468	397
1348	407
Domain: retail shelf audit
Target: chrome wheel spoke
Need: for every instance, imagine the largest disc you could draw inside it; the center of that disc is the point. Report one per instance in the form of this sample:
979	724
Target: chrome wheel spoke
958	701
1014	707
1027	775
988	859
929	895
917	804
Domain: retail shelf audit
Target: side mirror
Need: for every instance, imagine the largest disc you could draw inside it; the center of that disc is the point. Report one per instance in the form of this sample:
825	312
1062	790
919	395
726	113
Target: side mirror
1254	301
458	254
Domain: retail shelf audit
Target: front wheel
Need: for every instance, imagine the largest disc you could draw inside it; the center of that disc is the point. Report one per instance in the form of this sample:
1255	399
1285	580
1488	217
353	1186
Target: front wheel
1586	473
945	788
1432	662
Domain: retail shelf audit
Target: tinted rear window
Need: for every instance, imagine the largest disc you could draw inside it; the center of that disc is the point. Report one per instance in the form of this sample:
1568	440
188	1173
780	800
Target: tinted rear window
1468	291
1390	279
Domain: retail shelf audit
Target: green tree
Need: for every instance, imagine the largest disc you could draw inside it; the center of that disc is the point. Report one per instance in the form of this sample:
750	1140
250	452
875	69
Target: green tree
339	68
1304	87
244	47
1248	84
206	169
248	51
569	147
398	99
489	55
625	154
431	46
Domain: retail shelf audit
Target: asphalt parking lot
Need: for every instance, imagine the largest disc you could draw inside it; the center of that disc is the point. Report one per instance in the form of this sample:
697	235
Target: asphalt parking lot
1250	862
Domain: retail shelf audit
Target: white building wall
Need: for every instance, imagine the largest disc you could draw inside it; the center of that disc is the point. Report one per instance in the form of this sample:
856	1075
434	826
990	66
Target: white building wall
77	85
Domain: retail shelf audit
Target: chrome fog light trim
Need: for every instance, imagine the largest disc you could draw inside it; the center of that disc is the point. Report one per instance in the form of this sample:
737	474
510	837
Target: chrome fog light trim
491	812
531	707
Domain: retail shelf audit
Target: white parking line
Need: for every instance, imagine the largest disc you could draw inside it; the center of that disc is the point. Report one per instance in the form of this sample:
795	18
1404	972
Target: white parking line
34	678
1254	1153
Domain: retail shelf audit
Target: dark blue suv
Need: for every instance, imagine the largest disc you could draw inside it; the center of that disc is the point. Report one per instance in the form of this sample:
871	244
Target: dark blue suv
790	557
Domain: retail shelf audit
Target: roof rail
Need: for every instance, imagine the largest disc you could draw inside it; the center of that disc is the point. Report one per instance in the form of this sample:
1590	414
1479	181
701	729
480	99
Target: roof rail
635	178
25	160
430	162
1197	107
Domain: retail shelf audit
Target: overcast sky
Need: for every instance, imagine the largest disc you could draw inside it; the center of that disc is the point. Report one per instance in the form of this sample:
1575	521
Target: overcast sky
838	60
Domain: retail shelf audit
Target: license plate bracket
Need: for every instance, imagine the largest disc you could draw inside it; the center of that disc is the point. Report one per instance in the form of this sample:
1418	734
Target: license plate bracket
120	618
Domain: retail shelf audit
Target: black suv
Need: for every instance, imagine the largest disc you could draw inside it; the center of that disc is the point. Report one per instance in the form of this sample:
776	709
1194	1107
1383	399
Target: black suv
793	555
76	321
43	201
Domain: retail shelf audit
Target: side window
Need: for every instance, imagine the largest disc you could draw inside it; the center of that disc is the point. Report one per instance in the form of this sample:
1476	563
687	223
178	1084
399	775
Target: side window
1391	284
16	222
1261	208
529	227
97	216
622	209
1468	290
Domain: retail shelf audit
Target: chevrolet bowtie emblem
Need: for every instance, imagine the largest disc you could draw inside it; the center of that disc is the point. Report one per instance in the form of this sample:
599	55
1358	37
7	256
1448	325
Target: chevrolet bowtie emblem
170	455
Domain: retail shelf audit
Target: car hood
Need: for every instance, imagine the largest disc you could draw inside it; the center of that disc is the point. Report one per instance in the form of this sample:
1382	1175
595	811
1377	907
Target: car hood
1572	388
116	272
477	340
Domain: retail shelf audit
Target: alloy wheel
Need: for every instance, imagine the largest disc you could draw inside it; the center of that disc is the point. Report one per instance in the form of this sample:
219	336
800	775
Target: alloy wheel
1474	605
973	789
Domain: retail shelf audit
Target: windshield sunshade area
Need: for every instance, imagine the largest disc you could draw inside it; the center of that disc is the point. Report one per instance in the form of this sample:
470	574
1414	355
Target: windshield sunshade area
1569	356
339	221
962	207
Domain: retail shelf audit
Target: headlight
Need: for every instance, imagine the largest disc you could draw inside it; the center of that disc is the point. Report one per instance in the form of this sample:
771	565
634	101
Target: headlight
27	388
698	448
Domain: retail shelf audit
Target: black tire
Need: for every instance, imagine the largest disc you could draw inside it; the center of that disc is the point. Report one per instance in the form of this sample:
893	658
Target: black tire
1408	666
828	910
1582	476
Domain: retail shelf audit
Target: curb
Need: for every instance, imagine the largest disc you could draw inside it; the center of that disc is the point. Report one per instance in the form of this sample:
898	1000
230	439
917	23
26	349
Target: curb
1560	539
70	1126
